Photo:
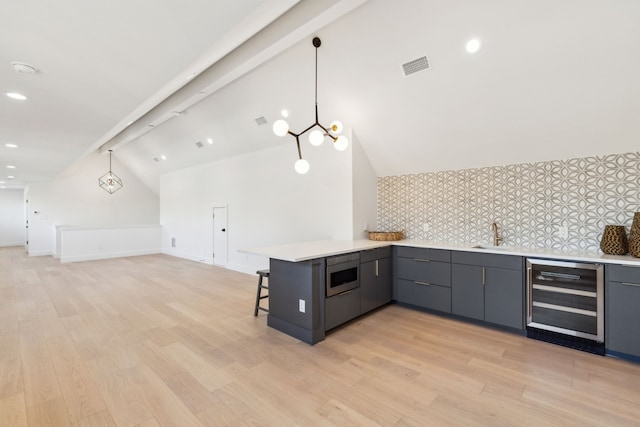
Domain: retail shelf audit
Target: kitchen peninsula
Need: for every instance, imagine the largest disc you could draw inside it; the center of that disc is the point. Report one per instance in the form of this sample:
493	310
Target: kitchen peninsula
430	275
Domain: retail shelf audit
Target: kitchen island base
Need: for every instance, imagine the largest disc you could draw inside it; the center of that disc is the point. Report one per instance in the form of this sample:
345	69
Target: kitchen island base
296	298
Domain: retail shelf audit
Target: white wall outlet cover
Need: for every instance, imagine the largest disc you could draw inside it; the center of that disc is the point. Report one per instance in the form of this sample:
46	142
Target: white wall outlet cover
301	306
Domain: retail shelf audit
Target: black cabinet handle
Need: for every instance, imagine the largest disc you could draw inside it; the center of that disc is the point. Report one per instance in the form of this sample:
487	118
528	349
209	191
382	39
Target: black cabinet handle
224	229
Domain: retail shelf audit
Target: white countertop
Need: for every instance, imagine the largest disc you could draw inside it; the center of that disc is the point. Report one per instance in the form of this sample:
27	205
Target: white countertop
305	251
296	252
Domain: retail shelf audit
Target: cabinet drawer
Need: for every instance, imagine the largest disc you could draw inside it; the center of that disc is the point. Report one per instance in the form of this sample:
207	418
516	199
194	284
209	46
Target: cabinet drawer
383	252
511	262
429	296
341	308
424	253
433	272
623	273
368	255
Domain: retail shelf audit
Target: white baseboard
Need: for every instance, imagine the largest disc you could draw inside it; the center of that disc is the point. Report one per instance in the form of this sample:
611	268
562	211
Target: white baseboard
97	256
187	256
40	253
10	244
241	268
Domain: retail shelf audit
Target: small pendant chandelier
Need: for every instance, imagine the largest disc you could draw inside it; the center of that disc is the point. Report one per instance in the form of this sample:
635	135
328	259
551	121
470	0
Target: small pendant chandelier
316	137
110	182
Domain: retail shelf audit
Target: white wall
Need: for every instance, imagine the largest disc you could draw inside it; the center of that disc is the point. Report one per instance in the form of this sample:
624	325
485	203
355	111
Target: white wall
365	195
268	202
12	218
75	199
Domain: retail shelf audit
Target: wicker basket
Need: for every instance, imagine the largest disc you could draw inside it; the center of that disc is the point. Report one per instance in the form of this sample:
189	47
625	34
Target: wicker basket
386	235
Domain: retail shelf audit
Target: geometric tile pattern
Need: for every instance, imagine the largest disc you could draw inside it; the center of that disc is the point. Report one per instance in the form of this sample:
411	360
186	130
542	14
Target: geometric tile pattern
529	202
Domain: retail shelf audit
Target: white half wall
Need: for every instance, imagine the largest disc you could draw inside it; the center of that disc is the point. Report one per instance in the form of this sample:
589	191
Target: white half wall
268	203
90	243
12	218
75	199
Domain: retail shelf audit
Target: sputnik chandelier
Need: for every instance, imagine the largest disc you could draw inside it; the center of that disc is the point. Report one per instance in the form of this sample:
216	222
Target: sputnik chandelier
110	182
316	137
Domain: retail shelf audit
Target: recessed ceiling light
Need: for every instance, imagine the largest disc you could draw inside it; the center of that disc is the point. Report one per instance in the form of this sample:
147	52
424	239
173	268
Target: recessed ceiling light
10	177
10	167
210	141
163	157
285	113
473	45
11	145
15	95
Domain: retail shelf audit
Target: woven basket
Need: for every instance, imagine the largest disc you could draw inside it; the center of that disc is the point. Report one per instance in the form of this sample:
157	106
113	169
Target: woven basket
386	235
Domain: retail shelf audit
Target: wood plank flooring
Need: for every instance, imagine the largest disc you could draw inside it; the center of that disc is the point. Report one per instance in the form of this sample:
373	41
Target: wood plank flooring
160	341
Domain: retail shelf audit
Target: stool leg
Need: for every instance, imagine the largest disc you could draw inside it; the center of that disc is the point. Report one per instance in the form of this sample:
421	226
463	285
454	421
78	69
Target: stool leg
258	292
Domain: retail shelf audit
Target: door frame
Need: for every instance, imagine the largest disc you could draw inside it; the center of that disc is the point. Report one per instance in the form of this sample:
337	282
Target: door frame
226	226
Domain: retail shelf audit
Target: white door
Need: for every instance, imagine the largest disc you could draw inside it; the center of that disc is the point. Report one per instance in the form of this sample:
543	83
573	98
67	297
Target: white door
220	235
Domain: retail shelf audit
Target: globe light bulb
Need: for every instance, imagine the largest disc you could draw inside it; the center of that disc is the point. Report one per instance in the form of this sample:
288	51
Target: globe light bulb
336	126
316	138
473	45
341	143
302	166
280	127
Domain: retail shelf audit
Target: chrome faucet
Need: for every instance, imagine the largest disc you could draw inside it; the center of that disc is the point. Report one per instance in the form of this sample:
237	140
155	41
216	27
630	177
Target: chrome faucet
497	238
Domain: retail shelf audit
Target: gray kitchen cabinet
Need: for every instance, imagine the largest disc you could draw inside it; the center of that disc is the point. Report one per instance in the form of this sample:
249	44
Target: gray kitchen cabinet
423	278
290	283
341	308
488	287
375	278
622	313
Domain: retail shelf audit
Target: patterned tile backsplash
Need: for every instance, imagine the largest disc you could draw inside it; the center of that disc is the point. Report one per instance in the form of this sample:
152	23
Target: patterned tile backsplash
529	202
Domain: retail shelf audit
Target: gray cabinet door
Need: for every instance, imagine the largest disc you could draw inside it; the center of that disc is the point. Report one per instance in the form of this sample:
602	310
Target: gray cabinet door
341	308
622	316
368	286
385	282
467	291
488	287
503	297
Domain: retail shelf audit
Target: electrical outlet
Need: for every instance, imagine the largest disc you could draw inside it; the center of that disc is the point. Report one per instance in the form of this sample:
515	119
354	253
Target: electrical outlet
173	242
425	227
563	232
301	306
365	226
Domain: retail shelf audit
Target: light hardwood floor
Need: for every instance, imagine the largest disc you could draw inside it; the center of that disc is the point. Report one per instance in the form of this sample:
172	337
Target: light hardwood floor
159	341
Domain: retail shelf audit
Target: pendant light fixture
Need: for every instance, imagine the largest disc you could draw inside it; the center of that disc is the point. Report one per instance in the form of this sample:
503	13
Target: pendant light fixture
110	182
317	135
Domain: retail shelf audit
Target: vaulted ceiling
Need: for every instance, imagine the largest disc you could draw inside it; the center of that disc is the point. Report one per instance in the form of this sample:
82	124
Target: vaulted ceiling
552	80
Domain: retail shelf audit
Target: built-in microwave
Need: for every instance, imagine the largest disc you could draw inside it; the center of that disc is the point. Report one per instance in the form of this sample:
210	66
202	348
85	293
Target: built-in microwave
343	273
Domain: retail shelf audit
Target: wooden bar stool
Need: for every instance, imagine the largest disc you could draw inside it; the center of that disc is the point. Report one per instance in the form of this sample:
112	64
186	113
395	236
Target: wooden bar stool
261	274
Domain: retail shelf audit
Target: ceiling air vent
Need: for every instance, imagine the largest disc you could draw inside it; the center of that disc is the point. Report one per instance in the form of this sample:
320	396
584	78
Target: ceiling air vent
199	144
261	121
415	65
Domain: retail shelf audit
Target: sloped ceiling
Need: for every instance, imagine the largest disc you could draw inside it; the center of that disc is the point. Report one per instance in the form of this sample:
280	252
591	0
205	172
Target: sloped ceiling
553	80
102	65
